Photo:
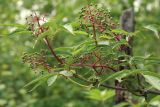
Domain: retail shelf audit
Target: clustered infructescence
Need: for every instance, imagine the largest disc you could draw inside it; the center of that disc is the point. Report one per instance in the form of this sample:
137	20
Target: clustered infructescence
33	22
101	19
97	21
36	60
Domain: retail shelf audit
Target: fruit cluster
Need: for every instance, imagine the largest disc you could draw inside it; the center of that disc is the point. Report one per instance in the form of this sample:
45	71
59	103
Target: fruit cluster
91	16
37	60
33	22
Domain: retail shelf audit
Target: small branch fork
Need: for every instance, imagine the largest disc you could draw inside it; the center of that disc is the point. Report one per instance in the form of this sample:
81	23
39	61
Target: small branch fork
94	64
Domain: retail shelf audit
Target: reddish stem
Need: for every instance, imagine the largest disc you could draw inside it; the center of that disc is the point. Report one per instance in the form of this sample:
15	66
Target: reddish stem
52	51
48	43
94	34
93	26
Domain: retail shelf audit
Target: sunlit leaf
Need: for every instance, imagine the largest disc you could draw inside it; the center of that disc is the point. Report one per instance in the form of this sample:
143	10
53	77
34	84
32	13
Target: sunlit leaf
52	24
38	79
121	31
119	43
20	32
153	28
120	74
123	104
43	35
67	73
69	28
51	80
155	101
154	81
73	81
14	25
125	73
80	33
63	49
96	94
106	37
37	85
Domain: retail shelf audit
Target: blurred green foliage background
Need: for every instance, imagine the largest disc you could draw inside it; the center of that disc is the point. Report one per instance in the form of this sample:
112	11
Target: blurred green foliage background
14	74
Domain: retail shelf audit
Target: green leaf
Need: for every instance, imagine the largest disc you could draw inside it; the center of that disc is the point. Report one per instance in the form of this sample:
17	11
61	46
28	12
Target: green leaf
41	78
51	80
52	25
152	60
136	59
67	73
38	84
73	81
125	73
155	99
78	51
75	24
69	28
151	77
123	104
108	37
119	43
144	59
96	94
20	32
80	33
64	50
43	35
153	28
83	47
140	33
120	74
121	31
151	74
14	25
92	1
154	81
